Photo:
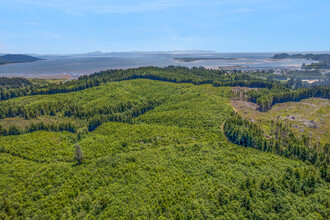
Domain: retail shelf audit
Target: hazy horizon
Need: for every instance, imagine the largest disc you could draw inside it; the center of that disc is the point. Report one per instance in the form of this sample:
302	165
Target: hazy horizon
75	27
173	52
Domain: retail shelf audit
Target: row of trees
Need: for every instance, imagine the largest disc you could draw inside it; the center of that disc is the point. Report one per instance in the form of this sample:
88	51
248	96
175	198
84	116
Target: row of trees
15	130
11	83
267	98
126	116
71	109
71	86
9	110
248	83
285	143
95	116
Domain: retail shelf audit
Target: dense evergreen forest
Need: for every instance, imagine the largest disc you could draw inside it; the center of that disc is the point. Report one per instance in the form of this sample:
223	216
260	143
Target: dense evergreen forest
175	74
13	83
157	143
275	91
266	98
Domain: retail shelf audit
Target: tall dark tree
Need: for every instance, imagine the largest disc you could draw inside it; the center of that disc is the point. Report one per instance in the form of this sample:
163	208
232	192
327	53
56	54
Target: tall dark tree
78	154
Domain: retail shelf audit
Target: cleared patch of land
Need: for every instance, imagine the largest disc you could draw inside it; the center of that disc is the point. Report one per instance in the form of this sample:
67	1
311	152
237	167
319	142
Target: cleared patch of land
309	117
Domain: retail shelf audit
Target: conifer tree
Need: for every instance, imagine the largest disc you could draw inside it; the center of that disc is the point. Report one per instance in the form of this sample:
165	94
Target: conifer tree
78	154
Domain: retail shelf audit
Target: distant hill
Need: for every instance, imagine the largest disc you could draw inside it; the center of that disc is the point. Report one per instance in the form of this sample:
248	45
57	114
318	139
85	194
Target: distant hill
324	59
17	58
309	56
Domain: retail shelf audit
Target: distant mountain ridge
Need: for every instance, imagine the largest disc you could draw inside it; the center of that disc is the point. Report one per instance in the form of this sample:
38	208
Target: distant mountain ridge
17	58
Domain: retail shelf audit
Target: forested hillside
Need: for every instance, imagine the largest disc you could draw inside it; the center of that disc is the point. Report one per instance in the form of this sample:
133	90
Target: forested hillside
324	59
154	143
16	58
273	92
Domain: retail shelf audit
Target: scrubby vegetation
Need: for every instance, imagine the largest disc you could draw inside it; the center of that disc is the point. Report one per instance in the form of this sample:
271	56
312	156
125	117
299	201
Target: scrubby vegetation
153	143
243	132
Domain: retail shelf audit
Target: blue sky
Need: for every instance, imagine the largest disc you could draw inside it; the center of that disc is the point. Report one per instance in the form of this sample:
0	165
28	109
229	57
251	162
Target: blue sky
77	26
